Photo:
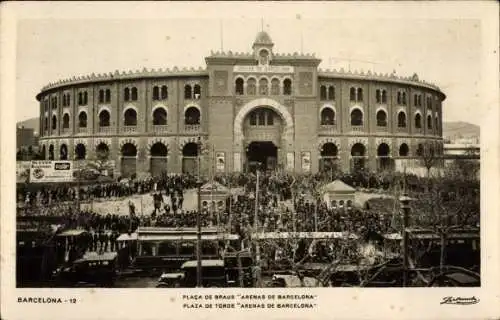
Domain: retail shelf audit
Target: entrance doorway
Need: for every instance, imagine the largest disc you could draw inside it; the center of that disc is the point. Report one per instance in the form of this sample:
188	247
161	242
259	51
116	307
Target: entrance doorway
263	155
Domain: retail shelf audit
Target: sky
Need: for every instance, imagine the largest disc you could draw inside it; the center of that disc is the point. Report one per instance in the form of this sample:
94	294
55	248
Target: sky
445	51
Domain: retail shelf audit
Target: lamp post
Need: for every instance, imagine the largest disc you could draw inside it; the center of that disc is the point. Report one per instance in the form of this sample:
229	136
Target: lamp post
405	205
198	219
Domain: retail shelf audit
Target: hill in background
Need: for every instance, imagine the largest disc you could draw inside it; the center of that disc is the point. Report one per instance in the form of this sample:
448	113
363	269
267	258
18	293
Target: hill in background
30	123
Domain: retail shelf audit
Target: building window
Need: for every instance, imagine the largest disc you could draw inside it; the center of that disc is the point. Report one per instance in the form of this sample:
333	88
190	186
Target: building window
82	120
239	86
401	119
419	100
130	117
251	87
404	150
104	118
360	94
126	94
404	99
420	150
356	117
322	93
270	118
108	95
263	87
133	94
418	121
197	91
327	117
436	123
253	118
429	122
156	93
263	57
275	87
66	121
80	98
352	95
160	117
415	101
399	98
54	122
188	92
262	118
384	96
287	87
192	116
46	124
381	118
331	93
378	96
164	92
101	96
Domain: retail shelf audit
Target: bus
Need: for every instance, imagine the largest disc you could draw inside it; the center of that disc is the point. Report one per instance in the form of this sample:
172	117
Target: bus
166	249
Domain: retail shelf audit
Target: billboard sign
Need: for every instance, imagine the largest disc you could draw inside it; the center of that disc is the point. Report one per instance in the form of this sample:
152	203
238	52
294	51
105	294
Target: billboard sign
51	171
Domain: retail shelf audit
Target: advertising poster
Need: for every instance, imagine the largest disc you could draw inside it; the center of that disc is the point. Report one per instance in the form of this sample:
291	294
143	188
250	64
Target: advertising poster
306	161
22	171
51	171
220	161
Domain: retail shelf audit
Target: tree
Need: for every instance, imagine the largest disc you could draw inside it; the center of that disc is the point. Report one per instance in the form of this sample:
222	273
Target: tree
429	156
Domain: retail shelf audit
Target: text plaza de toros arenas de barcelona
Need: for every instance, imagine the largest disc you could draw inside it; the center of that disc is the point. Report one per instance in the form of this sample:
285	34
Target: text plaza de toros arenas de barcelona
275	111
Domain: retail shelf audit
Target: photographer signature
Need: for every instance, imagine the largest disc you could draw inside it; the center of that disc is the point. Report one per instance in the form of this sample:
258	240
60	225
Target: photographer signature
459	300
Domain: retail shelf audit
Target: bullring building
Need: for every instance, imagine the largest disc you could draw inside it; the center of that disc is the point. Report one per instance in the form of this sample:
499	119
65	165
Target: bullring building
278	111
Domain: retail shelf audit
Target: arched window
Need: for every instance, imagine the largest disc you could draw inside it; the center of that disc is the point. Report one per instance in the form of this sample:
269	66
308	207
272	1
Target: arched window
102	151
134	94
287	87
251	87
418	121
129	150
126	94
352	94
356	117
85	98
239	86
420	150
401	119
404	98
383	150
82	120
378	96
253	118
130	117
80	151
360	94
381	118
429	122
54	122
322	93
358	150
403	150
46	124
51	152
108	95
270	118
419	100
329	150
399	98
80	98
197	91
263	57
262	117
65	121
327	117
104	118
156	93
187	92
159	150
192	116
63	152
275	87
160	117
436	123
164	92
263	89
190	150
384	96
331	93
101	96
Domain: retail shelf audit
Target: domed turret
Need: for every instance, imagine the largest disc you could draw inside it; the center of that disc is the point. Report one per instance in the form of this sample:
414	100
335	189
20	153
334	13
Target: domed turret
263	38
